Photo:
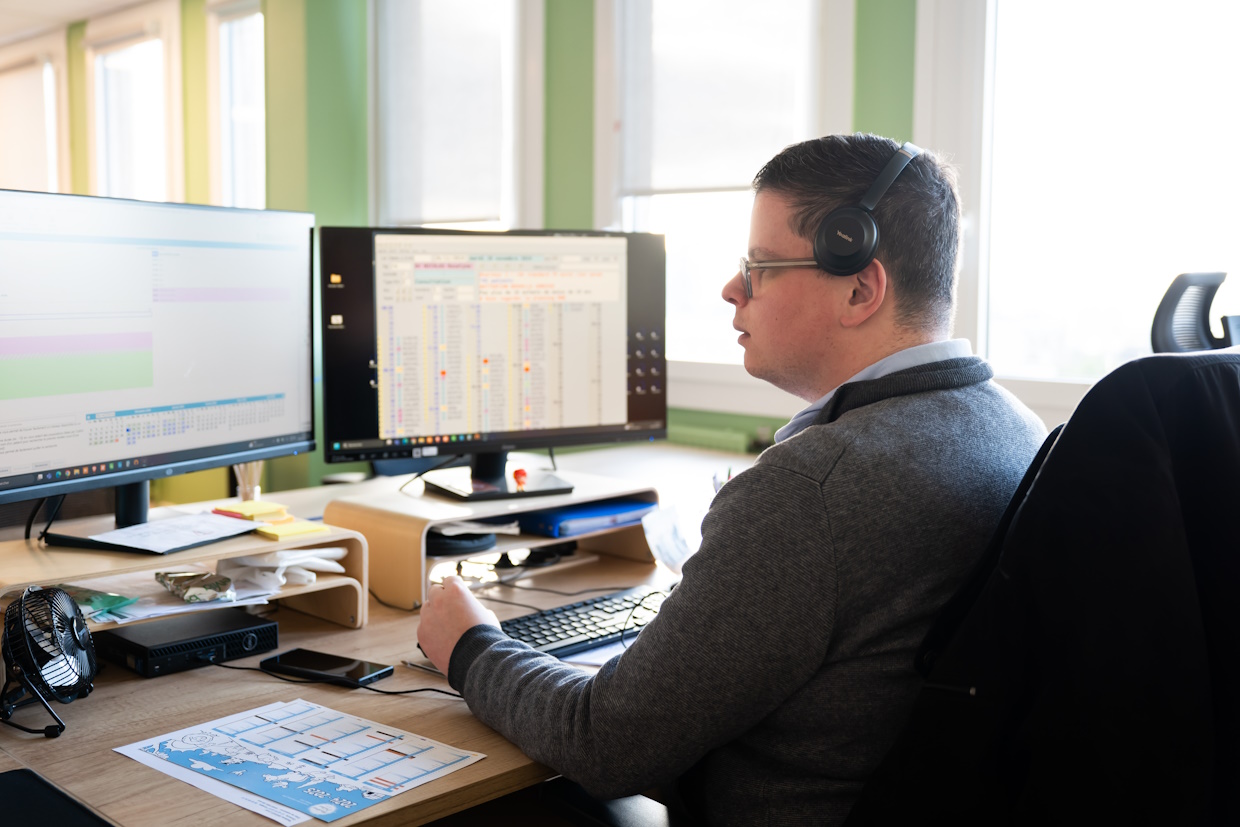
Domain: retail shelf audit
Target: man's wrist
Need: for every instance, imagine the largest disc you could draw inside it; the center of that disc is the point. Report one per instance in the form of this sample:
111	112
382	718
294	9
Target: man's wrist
475	641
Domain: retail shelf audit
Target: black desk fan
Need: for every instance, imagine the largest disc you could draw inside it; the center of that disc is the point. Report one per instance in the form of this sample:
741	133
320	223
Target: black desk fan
48	652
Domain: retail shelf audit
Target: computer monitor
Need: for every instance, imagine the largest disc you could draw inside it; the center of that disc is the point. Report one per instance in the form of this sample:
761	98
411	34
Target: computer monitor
439	343
140	340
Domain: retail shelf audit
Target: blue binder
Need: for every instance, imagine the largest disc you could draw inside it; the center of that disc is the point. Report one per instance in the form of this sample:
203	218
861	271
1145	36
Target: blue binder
571	520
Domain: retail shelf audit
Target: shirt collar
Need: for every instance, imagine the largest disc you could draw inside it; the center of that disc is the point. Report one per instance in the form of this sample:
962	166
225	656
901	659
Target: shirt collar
910	357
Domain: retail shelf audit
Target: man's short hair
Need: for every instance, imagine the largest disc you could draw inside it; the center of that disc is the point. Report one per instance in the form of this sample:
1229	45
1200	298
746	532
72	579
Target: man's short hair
918	218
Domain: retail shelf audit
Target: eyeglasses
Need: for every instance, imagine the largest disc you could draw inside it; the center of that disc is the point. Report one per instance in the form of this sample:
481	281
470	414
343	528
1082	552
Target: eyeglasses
747	265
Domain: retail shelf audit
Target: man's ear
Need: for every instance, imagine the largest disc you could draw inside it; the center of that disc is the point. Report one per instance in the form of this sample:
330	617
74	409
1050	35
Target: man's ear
868	292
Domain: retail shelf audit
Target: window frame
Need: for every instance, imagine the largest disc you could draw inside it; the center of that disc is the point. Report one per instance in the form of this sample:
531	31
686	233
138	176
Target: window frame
220	12
952	90
522	191
705	385
52	48
161	20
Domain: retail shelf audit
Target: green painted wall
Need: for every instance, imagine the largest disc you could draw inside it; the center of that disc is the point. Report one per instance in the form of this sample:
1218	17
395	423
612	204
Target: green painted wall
194	101
883	69
284	43
568	197
79	160
317	149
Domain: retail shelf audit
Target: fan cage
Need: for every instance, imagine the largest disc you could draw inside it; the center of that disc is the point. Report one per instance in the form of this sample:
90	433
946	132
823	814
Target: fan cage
61	664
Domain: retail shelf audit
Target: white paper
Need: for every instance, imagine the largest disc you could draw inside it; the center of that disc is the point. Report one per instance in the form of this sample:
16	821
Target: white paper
472	527
163	536
599	654
665	539
300	758
156	601
219	789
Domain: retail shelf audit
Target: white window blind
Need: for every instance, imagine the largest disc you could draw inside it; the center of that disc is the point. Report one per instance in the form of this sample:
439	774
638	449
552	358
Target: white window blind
34	138
242	112
1110	174
709	91
130	140
446	83
133	82
28	128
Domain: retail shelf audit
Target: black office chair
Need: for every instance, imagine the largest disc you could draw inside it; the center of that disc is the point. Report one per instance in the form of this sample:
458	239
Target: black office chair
1089	670
1182	321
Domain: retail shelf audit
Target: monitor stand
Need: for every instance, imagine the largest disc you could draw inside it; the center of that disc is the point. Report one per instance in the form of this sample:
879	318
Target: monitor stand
487	478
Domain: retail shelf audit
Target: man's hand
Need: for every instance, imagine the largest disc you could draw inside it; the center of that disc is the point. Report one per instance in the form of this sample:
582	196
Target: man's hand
449	612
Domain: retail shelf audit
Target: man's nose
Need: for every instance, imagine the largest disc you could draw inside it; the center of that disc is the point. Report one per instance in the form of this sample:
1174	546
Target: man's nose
734	290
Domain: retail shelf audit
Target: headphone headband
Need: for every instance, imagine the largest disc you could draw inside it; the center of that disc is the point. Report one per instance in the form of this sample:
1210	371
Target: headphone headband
904	155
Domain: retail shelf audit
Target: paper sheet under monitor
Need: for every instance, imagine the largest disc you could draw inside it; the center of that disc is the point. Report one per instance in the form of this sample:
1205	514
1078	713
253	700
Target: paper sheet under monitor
176	533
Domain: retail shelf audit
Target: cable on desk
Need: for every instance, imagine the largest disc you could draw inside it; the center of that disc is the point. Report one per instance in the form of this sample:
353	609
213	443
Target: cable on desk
511	585
332	683
447	461
391	606
510	603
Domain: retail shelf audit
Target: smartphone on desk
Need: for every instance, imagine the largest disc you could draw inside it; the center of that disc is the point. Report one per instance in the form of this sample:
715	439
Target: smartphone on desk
320	666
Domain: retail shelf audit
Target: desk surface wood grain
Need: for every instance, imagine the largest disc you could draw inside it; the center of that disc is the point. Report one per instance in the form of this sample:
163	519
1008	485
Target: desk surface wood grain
125	708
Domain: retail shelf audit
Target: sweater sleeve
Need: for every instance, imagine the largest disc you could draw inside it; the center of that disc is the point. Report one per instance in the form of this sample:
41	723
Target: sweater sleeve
748	625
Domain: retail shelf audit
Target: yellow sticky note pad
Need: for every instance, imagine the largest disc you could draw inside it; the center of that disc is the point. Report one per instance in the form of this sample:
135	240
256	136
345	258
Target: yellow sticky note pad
296	528
254	509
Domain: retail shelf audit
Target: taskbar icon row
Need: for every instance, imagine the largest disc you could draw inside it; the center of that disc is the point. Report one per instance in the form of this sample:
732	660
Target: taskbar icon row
87	470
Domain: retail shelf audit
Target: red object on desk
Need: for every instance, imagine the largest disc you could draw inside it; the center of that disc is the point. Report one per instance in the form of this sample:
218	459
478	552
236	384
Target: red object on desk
519	476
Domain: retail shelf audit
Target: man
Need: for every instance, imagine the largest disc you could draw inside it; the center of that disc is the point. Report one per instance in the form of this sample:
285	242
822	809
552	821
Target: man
781	669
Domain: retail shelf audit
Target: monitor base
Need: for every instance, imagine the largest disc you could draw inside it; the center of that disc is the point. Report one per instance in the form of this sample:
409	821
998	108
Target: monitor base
458	484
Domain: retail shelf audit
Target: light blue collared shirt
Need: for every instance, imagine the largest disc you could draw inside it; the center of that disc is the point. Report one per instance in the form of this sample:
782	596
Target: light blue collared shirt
910	357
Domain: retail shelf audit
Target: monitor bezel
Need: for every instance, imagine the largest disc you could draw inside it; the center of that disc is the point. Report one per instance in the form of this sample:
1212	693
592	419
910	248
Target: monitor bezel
509	441
206	457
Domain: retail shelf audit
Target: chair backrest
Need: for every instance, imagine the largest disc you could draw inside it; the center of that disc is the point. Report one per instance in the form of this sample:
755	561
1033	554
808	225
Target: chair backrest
1182	321
1090	671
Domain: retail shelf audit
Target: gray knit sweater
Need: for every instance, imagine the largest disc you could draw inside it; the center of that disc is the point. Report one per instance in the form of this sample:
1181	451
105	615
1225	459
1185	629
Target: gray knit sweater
781	669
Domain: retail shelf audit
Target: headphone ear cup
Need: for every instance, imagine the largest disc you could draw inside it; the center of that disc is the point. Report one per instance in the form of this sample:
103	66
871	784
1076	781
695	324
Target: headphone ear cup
846	241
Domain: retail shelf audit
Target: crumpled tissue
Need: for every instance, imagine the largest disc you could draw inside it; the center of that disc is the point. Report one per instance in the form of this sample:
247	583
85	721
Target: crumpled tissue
291	567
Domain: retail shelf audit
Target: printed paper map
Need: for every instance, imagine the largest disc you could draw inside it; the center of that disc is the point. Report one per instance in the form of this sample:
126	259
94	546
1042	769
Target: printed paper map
303	756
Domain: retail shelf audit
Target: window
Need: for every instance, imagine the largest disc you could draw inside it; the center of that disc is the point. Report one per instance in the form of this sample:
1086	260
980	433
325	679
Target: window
237	104
34	152
701	94
133	80
1094	169
1132	120
459	113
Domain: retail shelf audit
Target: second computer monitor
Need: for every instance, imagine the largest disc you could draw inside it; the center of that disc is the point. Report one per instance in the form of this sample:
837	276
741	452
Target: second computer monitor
438	343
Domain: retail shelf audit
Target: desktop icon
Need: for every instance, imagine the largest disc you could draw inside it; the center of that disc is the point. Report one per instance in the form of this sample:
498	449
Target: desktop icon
334	278
337	319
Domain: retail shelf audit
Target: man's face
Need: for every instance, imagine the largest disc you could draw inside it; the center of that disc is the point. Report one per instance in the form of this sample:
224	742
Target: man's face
787	329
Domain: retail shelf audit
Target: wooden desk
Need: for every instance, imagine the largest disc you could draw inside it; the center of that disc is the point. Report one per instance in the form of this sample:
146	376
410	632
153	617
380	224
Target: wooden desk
125	708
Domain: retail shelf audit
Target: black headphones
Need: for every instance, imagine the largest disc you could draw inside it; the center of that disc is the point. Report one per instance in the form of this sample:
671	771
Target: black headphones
848	236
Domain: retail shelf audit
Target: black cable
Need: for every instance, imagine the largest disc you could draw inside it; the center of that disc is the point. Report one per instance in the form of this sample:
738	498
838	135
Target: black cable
510	603
333	683
382	602
30	519
51	517
453	458
625	628
512	585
